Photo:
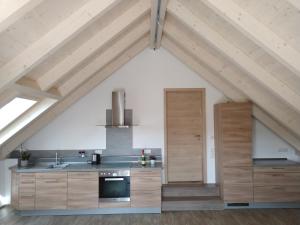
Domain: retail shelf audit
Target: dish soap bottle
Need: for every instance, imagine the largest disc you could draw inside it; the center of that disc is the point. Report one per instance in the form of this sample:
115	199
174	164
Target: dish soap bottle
143	158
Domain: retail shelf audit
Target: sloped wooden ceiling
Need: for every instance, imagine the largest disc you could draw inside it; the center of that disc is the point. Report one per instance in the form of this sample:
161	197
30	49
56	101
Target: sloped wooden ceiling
61	49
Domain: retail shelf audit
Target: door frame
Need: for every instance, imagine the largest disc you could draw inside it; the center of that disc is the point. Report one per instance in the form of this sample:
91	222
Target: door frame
204	150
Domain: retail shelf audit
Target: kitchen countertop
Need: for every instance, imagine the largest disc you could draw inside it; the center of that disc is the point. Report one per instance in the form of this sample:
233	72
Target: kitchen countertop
84	167
274	162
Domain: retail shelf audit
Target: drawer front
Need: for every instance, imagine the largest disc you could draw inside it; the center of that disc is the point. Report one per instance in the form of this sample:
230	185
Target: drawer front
145	183
237	175
27	191
239	193
145	172
277	193
277	169
83	175
53	175
146	199
276	178
26	201
83	193
114	204
27	183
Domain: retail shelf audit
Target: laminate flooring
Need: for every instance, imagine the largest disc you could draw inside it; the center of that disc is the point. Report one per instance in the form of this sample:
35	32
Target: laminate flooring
225	217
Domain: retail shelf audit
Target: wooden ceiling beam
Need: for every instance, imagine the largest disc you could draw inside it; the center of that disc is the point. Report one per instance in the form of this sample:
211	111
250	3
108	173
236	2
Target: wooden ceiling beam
58	36
278	109
105	57
257	32
12	10
158	12
234	54
66	102
101	40
161	22
29	87
153	23
229	91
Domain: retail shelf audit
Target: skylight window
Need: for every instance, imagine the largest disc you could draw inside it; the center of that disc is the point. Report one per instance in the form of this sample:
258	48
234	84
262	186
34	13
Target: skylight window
13	110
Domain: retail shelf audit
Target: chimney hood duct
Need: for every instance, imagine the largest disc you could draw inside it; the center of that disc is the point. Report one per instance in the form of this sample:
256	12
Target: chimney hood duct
118	110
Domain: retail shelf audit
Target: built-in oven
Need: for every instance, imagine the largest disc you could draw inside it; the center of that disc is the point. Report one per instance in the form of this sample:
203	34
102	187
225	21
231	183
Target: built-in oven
114	185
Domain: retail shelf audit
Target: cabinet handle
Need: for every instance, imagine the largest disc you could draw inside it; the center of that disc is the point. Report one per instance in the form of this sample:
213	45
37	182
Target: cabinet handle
278	168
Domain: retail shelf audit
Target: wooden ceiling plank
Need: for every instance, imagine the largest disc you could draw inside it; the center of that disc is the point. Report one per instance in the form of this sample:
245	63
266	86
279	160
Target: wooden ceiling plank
295	3
153	24
37	52
281	111
12	10
239	58
65	103
105	57
161	22
100	40
257	32
230	92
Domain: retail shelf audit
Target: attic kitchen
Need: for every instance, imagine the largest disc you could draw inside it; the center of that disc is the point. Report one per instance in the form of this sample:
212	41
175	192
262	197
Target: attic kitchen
161	112
105	183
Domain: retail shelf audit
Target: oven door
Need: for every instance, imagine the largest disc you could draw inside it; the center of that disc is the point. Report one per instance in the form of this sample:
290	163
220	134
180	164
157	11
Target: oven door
114	189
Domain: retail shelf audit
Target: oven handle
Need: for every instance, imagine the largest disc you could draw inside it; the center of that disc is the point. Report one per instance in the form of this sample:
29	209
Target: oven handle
114	179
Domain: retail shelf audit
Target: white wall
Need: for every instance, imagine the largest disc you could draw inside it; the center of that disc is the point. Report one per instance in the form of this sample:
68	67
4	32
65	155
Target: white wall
144	79
269	145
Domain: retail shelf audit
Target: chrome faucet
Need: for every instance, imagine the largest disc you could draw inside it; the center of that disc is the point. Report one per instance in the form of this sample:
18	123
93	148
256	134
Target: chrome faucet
56	158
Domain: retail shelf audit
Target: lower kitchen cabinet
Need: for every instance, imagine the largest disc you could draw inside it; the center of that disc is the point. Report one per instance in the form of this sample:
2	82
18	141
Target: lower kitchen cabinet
27	191
83	190
51	190
145	188
276	184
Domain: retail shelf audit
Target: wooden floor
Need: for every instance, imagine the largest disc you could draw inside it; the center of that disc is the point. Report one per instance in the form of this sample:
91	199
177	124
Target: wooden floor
226	217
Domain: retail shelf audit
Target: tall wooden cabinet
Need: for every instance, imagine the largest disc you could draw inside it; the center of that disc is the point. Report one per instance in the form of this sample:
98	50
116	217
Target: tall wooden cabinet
233	143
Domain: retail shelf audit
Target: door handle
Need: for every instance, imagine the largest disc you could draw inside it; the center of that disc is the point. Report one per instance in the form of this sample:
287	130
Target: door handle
114	179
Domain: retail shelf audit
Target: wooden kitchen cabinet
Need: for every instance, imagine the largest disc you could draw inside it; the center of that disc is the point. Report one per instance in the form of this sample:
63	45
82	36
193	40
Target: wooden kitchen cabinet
15	190
27	183
277	184
51	190
233	143
145	188
83	190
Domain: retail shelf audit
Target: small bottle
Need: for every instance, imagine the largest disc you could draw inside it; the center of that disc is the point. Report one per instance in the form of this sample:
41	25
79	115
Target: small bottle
143	158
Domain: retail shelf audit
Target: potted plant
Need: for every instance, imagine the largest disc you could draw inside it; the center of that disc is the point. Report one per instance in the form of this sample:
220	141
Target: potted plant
152	159
24	158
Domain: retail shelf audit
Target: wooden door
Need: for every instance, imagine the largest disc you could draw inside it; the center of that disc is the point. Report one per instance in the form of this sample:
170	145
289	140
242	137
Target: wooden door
185	134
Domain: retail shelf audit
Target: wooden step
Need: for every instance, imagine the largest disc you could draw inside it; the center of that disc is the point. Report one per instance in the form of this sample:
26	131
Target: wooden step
192	203
190	190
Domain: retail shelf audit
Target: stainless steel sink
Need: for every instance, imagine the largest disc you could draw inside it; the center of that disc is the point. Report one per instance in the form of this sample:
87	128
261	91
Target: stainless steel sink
58	166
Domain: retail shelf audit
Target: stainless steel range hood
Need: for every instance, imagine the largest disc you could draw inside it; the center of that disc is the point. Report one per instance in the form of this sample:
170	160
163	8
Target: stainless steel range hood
118	110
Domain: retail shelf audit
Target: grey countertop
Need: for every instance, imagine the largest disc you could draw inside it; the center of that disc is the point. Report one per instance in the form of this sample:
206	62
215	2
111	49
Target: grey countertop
274	162
84	167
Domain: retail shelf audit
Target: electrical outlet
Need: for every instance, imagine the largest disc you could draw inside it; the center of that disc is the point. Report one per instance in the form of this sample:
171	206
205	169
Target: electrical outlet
147	151
99	151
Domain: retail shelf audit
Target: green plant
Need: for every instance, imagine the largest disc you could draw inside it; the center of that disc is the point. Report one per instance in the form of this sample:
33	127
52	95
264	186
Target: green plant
25	155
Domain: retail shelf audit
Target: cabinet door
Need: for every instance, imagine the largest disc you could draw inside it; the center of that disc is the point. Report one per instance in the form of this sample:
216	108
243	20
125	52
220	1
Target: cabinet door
235	134
83	190
51	191
145	188
27	191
